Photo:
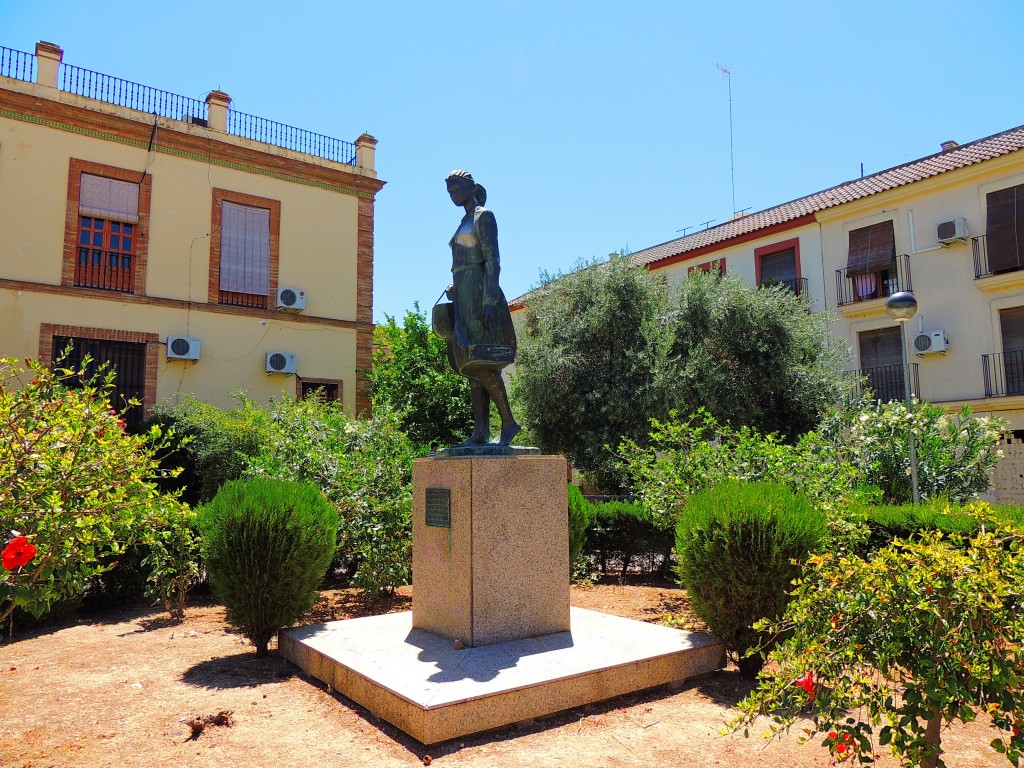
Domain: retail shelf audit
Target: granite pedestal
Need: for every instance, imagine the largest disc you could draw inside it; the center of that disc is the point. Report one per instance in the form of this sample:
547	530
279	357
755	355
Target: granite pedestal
491	639
490	547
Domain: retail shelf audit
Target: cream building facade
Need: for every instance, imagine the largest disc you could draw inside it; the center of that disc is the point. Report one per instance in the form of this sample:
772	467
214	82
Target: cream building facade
199	249
949	228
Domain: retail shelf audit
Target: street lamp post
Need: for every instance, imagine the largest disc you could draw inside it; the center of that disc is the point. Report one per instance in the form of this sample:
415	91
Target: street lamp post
902	306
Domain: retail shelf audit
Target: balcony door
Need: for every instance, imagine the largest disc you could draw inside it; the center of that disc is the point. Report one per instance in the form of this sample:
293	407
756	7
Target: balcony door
881	361
1011	324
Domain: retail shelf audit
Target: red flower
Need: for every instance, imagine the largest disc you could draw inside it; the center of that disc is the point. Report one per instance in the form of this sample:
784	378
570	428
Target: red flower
840	748
847	737
832	734
18	552
807	683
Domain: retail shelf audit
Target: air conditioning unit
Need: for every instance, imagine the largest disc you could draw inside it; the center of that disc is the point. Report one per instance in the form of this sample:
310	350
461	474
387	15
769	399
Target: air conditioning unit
182	348
930	342
291	300
281	362
954	231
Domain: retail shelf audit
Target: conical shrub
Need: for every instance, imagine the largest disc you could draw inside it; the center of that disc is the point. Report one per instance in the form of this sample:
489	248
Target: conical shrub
267	545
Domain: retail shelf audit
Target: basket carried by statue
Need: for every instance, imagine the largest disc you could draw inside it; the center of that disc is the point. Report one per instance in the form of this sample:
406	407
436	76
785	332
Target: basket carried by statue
478	356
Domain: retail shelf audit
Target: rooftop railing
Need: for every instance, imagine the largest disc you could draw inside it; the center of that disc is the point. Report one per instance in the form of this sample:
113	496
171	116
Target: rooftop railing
124	93
290	137
17	64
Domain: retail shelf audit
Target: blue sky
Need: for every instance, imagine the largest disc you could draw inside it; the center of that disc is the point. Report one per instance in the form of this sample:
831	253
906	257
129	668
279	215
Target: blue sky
595	126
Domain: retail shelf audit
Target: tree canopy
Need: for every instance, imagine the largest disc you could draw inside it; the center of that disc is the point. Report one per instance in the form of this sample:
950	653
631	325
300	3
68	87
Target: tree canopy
411	374
607	347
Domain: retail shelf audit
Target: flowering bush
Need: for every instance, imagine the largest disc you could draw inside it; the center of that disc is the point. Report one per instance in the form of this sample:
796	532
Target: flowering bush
955	452
892	649
75	485
18	552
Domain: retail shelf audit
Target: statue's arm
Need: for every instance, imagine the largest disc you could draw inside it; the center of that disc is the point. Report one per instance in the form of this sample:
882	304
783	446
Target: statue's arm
487	234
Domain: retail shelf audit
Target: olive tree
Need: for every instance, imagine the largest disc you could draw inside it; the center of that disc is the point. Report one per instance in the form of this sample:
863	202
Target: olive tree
608	347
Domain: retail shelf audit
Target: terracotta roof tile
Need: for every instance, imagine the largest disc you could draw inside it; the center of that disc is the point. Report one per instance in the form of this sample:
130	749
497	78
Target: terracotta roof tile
948	160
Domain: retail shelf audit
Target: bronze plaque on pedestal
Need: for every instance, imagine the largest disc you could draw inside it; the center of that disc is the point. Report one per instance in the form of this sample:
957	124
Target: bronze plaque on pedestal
439	507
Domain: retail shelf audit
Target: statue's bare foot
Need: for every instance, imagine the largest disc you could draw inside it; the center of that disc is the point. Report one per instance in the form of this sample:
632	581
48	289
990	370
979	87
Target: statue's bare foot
508	432
477	438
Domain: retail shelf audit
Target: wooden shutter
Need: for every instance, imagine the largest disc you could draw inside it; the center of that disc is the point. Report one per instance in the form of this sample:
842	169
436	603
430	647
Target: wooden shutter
1005	229
105	198
872	249
707	266
244	249
779	267
880	348
1011	325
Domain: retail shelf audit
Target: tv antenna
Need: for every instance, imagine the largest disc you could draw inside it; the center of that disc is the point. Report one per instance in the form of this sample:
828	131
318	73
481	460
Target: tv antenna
727	74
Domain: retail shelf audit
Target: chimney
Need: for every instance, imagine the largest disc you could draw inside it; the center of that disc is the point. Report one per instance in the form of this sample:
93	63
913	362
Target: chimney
948	145
48	58
365	146
217	105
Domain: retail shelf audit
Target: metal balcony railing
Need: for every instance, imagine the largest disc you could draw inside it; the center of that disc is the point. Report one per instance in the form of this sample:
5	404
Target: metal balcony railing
107	270
17	64
864	286
1004	373
887	382
797	285
982	266
144	98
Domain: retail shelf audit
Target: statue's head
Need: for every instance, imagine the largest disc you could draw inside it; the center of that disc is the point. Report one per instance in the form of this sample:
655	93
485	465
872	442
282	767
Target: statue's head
461	185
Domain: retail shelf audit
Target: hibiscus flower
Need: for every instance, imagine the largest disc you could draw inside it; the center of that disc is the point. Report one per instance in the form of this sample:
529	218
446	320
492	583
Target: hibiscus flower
18	552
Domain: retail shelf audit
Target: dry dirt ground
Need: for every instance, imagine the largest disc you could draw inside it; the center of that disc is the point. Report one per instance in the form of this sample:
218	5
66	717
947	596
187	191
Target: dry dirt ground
119	689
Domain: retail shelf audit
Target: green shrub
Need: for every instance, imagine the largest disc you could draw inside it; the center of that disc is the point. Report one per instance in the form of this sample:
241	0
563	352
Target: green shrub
364	466
266	545
161	564
685	456
739	546
623	532
77	485
210	445
579	519
887	523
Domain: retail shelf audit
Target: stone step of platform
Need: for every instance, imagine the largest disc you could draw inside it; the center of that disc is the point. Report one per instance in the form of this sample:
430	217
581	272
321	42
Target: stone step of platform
424	685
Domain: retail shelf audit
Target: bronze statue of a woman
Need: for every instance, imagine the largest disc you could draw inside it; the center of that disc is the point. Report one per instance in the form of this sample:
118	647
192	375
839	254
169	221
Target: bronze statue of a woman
477	323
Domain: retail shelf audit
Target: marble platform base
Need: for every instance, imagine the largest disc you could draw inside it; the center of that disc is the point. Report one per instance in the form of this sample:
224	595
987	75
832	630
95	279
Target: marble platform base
421	683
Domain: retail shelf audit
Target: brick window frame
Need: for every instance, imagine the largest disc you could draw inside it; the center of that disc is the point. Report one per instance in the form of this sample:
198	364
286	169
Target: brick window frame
152	341
306	383
707	266
71	220
770	250
221	196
